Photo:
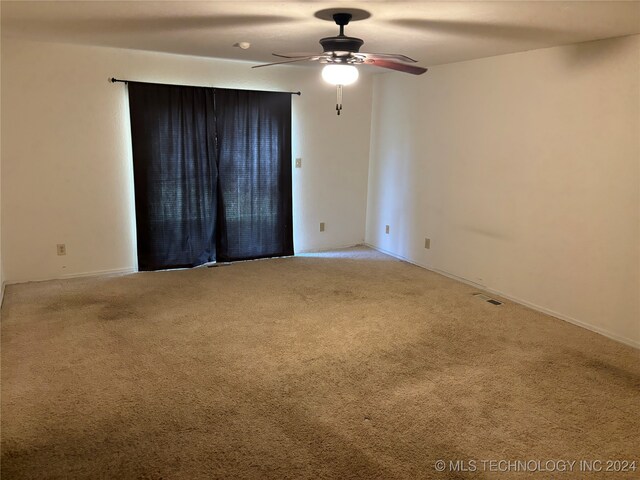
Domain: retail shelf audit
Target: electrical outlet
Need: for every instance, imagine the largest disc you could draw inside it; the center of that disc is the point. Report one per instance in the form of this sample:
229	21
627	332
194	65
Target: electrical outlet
322	226
62	249
298	163
427	243
386	229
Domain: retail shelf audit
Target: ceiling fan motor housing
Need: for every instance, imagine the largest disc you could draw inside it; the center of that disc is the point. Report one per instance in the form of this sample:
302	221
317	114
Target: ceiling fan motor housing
341	44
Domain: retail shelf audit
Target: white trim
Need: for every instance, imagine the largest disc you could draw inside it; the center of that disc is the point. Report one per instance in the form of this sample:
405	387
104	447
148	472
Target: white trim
533	306
97	273
328	249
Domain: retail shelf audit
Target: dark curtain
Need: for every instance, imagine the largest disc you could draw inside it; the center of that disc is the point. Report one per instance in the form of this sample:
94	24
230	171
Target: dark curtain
175	174
212	174
254	174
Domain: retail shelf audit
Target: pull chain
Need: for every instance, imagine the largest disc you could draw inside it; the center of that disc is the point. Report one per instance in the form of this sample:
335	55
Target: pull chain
339	99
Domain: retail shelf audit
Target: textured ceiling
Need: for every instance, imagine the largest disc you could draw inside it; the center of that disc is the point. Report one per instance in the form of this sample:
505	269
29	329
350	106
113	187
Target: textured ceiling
432	32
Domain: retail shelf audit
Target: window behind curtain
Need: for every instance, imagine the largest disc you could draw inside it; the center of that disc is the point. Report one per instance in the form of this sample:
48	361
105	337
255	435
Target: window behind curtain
212	174
254	174
175	174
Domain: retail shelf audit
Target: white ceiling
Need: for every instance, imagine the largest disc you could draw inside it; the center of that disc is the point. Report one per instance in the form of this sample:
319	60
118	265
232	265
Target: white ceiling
431	32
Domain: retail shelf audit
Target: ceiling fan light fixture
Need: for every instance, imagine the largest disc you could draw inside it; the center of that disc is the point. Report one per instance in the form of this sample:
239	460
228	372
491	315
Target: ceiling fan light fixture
340	74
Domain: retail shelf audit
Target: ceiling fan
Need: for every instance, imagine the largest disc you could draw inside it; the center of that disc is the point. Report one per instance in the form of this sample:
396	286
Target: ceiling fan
341	53
345	50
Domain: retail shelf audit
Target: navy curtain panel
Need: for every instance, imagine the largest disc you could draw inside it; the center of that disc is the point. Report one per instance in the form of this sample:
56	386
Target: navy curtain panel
254	174
212	174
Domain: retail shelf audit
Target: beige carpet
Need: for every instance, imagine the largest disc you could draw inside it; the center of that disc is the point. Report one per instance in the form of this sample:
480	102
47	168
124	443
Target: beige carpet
338	366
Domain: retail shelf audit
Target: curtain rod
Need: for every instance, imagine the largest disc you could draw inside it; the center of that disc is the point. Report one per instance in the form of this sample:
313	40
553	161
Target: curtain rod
114	80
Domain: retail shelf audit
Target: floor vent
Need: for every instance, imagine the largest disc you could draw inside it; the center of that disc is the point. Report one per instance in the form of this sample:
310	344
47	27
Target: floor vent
487	299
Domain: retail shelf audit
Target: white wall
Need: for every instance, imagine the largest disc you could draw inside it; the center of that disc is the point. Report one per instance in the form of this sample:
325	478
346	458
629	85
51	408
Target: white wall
66	156
1	263
523	169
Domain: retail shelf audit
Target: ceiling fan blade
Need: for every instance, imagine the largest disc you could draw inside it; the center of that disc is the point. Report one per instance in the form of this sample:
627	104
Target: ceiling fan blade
296	55
388	56
401	67
287	61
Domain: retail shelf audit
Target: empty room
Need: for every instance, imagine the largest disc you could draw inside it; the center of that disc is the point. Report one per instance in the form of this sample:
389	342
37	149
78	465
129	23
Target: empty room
320	240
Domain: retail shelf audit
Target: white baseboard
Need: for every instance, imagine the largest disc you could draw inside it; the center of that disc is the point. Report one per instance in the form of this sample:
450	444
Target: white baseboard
97	273
126	271
533	306
328	249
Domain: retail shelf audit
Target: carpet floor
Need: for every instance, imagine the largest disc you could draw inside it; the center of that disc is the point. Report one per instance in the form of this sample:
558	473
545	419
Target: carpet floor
342	365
